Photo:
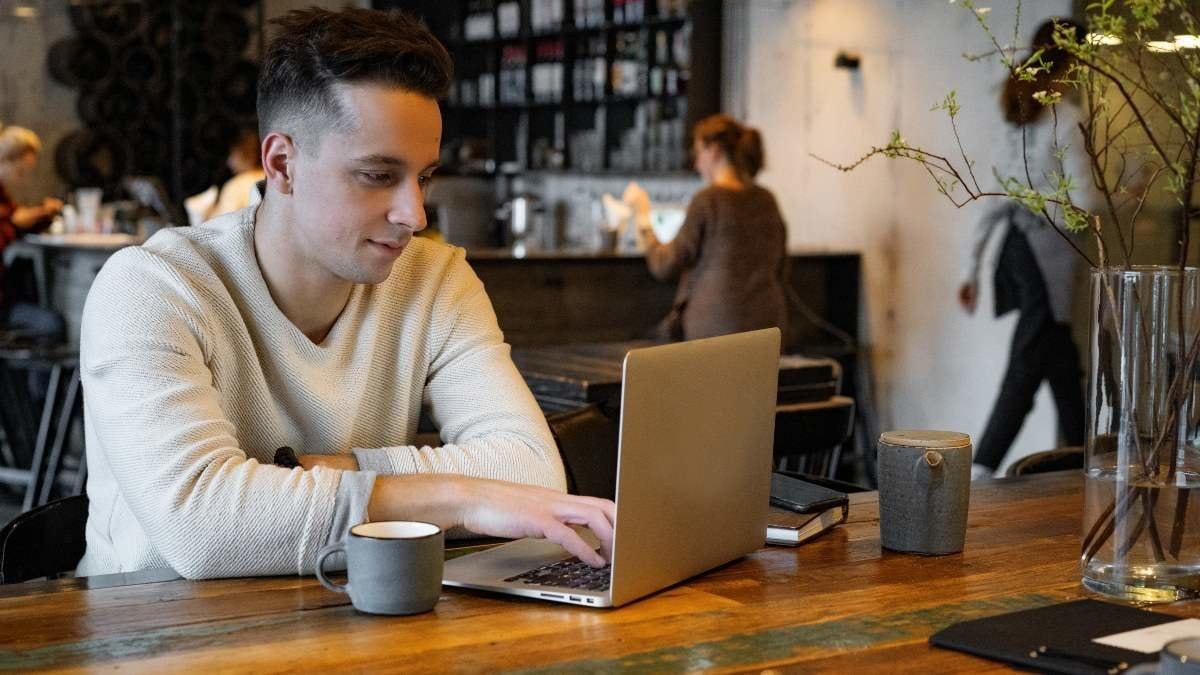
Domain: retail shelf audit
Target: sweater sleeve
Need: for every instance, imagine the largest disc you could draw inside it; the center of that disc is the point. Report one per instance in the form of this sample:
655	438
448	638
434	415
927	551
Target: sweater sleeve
979	238
490	423
666	261
151	405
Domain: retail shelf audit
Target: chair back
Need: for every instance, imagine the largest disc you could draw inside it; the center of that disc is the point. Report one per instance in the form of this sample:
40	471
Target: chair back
587	442
43	542
809	436
1059	459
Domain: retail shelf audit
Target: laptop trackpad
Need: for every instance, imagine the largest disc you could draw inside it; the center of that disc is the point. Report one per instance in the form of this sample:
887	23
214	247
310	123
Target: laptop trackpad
506	560
515	557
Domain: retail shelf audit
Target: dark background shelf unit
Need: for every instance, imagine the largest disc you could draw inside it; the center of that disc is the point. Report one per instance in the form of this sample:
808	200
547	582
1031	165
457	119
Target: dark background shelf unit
164	87
583	129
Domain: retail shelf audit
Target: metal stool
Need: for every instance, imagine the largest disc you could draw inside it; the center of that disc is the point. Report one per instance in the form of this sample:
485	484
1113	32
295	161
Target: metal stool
33	452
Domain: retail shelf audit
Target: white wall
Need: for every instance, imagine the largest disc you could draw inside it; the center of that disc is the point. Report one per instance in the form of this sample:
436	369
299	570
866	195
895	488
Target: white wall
935	367
29	97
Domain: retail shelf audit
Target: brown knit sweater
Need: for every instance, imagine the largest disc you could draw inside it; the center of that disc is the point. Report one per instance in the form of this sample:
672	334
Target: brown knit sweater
731	259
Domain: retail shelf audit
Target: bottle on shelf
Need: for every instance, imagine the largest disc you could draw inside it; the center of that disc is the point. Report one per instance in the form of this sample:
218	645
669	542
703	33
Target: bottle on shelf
547	71
629	12
658	70
599	67
546	15
480	21
589	13
487	90
588	70
508	18
512	75
629	72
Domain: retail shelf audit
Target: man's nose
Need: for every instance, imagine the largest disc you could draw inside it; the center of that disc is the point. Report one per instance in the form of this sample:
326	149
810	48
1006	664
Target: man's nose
408	206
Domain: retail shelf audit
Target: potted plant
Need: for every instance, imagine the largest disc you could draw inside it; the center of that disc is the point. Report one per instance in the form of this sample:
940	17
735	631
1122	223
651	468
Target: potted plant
1130	78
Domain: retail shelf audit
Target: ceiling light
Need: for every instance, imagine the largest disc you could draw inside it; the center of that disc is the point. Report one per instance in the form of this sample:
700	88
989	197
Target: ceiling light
1162	47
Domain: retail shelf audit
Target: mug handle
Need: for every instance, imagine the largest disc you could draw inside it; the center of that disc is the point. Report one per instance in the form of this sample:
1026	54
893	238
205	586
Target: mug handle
321	556
929	467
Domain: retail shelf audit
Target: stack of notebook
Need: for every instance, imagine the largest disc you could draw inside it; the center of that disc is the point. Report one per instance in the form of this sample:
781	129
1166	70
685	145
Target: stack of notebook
802	509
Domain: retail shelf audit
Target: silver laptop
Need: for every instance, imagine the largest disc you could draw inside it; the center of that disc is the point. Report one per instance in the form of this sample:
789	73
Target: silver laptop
693	478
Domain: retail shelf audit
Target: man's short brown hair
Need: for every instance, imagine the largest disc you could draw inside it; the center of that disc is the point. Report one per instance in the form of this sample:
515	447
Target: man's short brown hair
317	49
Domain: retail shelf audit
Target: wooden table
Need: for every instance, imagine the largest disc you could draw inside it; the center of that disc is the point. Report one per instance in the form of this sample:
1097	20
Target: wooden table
836	604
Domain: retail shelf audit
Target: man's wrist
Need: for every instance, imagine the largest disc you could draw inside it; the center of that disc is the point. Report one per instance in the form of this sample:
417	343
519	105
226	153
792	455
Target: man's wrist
345	462
440	499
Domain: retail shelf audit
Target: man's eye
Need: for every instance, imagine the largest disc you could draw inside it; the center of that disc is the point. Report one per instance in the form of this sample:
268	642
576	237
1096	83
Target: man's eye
423	181
376	178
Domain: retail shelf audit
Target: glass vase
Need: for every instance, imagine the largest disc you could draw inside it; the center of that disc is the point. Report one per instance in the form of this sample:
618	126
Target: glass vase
1141	524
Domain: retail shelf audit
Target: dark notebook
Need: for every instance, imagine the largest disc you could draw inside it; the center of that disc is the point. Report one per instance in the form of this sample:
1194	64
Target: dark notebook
1054	639
802	510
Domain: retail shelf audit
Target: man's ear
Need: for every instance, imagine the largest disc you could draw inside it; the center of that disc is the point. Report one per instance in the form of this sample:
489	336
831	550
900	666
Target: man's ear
279	155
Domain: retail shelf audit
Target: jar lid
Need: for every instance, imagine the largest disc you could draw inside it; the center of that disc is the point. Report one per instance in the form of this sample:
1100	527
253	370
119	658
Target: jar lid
925	438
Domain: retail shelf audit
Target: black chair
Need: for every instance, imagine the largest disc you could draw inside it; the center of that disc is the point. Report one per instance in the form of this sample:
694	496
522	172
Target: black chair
587	442
35	444
44	542
809	436
1058	459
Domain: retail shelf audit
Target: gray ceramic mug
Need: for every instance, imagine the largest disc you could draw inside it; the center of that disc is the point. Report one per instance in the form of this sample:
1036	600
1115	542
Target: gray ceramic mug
924	490
393	567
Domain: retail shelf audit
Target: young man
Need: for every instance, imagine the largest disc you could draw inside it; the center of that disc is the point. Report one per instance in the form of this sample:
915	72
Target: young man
315	321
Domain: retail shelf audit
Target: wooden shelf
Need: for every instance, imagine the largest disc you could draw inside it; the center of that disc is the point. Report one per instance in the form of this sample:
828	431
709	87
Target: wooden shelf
570	31
510	132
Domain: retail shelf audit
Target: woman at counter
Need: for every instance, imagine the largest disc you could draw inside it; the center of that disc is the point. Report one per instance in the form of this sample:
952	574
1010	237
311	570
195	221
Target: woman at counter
730	254
245	162
19	151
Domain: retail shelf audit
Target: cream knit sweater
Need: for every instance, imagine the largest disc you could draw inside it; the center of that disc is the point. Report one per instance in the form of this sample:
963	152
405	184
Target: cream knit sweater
192	378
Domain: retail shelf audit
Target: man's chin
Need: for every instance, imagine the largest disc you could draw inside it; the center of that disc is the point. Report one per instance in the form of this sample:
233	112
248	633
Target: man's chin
372	274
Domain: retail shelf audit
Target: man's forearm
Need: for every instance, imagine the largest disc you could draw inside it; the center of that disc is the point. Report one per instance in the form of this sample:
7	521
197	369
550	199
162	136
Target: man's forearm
491	507
433	499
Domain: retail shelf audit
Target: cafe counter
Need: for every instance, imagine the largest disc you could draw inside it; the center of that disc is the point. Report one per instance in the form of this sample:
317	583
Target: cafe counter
561	297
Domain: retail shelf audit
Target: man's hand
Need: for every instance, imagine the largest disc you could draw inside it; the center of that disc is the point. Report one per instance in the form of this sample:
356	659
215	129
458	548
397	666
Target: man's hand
515	511
498	509
968	296
52	206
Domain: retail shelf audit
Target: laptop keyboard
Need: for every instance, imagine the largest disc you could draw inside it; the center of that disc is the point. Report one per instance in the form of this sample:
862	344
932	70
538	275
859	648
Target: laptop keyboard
569	573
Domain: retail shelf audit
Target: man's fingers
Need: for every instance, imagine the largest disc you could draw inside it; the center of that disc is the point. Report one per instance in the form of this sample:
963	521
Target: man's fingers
597	520
575	545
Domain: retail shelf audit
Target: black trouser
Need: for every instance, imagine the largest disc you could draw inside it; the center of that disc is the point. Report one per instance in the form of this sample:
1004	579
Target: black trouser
1042	349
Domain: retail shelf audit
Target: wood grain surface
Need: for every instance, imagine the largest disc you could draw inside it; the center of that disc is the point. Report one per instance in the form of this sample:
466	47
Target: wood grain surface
837	604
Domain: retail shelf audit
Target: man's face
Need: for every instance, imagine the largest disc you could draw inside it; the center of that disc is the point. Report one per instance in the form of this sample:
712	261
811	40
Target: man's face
359	196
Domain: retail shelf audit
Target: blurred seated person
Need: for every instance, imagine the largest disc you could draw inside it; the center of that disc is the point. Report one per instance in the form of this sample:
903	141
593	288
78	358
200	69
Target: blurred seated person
19	151
730	254
239	191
